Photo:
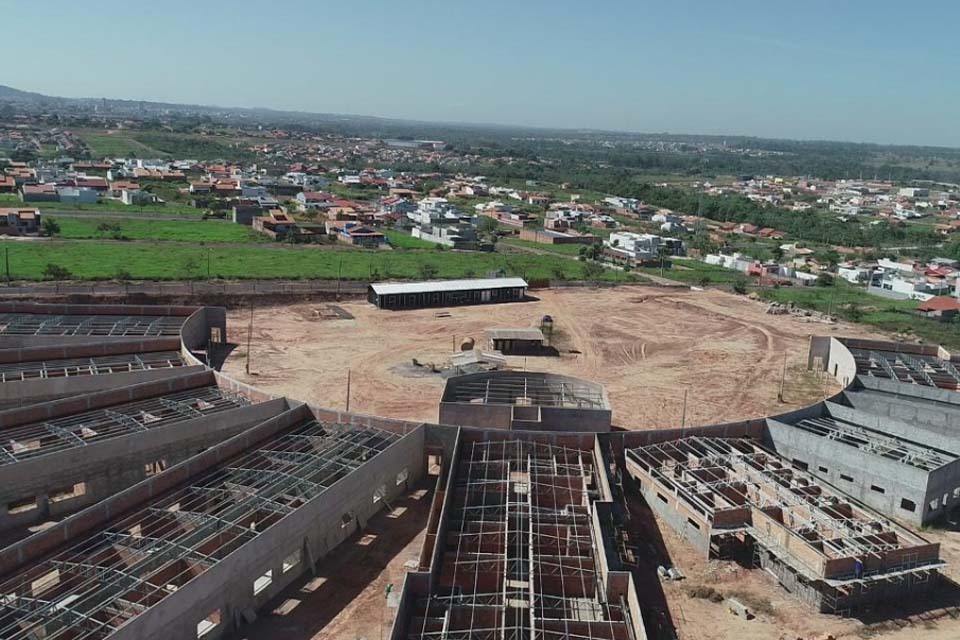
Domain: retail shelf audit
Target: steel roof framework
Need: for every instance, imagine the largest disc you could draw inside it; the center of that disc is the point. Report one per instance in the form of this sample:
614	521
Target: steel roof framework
89	589
59	434
877	443
97	365
520	553
537	391
720	474
903	367
40	324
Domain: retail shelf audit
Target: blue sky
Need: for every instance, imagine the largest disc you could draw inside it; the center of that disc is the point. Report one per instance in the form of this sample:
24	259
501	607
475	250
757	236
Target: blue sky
879	71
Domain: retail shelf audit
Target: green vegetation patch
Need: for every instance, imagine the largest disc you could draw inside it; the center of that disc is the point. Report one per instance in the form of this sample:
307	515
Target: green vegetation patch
90	260
164	230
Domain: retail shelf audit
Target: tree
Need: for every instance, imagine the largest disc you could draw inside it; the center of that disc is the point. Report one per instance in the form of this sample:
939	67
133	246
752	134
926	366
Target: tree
824	279
49	227
777	253
854	312
487	225
592	271
56	272
740	285
428	271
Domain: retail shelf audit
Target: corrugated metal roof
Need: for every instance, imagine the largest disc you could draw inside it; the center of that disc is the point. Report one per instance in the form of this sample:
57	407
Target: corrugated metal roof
393	288
515	334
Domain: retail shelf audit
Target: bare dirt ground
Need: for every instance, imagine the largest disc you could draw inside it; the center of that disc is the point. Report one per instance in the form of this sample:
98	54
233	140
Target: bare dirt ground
346	599
647	345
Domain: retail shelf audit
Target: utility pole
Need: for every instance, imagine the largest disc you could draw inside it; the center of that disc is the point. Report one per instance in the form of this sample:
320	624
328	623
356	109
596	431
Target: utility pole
249	336
783	379
348	389
339	272
6	259
683	417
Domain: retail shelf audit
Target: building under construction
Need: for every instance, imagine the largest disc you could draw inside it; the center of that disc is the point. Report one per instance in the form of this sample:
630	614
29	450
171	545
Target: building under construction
145	495
525	400
731	497
521	547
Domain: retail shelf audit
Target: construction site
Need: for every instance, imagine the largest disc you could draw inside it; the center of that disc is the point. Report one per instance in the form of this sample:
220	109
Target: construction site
645	345
806	486
732	497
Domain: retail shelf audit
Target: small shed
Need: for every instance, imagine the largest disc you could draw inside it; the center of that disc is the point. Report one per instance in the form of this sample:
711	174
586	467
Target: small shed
524	341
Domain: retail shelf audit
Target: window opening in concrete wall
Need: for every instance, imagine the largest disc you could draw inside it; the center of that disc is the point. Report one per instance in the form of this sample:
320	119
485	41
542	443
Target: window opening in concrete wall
208	624
22	506
263	582
291	561
68	493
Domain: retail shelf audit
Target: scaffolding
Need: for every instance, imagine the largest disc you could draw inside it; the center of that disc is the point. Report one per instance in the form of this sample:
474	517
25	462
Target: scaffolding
42	324
92	586
818	534
97	365
517	388
38	439
519	557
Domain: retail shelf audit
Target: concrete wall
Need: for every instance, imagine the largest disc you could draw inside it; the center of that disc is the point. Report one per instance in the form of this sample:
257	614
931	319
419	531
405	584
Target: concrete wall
934	418
841	364
110	466
314	530
694	527
105	347
484	416
942	436
833	462
63	309
23	392
100	399
31	549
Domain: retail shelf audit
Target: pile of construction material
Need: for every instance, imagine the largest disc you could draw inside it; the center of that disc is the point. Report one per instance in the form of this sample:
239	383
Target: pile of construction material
779	309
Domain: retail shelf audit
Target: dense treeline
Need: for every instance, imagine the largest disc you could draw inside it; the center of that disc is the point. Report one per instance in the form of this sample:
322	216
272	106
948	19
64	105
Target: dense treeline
825	160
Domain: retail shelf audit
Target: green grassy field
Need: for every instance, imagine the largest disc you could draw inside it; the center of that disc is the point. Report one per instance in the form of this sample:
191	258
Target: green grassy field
108	206
694	272
88	260
562	249
119	144
856	305
162	230
402	240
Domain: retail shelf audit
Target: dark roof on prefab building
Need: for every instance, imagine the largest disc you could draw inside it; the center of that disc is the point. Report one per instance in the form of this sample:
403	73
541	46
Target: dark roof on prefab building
392	288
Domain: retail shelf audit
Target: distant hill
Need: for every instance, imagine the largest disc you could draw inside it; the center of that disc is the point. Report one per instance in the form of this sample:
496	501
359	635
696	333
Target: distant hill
16	95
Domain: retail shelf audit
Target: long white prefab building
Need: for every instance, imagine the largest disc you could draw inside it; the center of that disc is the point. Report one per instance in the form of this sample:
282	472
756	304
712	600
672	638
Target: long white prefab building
446	293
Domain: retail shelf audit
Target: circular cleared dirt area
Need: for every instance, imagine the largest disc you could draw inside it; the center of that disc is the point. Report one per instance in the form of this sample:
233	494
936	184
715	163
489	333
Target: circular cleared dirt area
649	346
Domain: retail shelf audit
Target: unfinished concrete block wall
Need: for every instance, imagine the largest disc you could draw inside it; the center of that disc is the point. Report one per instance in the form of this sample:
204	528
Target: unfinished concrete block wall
313	530
107	467
883	484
